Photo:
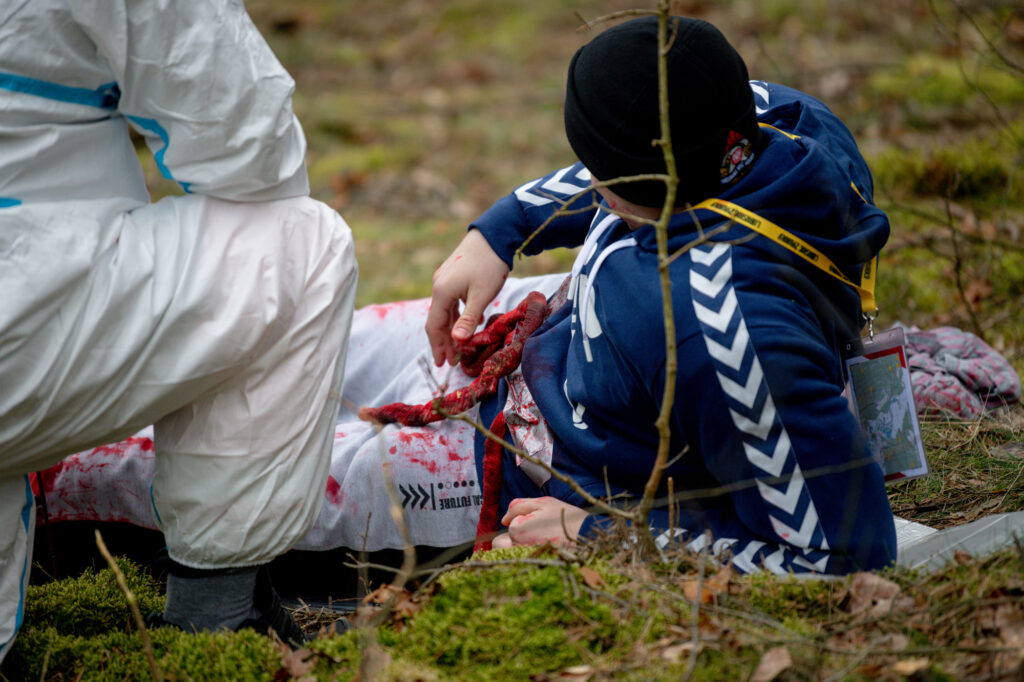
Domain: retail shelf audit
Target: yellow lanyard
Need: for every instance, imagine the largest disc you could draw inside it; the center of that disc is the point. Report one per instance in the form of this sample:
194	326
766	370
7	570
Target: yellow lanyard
766	228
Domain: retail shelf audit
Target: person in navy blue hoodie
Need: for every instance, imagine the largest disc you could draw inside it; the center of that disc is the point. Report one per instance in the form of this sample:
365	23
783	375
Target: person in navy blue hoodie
767	460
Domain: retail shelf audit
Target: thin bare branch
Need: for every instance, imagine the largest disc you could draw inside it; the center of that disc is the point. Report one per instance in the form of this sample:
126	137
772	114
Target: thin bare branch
596	503
663	423
613	16
147	643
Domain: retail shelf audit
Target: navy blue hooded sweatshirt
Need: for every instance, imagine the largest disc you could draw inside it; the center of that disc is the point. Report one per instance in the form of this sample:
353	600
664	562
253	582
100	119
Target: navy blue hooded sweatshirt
765	452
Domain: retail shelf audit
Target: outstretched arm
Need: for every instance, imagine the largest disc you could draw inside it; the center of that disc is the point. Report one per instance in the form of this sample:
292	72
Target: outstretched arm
476	270
472	273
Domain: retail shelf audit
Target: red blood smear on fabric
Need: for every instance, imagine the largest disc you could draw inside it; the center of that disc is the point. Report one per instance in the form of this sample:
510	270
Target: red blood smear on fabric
333	490
512	329
88	461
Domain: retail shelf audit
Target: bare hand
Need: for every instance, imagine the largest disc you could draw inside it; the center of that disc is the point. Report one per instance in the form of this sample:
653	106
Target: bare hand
472	273
540	520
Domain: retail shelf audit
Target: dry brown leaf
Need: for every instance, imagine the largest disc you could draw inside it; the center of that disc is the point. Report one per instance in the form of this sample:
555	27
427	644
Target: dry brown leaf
968	221
675	652
1011	637
690	592
591	577
989	230
910	666
1015	30
296	664
898	641
976	291
374	662
773	662
869	591
998	617
719	582
713	585
576	673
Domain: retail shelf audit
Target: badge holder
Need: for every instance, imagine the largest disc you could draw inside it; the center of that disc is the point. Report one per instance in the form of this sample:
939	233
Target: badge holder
881	397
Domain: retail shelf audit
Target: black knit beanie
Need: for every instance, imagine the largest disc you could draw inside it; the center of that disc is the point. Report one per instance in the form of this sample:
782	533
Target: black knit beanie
611	109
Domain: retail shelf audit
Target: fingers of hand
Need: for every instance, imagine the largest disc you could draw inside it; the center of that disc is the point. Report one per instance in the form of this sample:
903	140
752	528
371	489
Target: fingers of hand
523	505
438	326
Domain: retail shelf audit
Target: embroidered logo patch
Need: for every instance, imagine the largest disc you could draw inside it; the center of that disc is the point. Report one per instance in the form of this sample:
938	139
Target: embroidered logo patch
739	154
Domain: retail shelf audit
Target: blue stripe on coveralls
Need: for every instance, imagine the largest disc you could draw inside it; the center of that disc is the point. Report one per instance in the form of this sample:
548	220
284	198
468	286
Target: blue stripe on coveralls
26	517
7	202
104	97
153	126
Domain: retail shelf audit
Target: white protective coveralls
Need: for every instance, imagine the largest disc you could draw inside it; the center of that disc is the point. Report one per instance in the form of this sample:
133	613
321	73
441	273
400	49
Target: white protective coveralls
220	316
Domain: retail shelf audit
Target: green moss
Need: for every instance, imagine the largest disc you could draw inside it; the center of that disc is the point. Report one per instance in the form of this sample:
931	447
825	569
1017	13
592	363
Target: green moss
792	601
929	80
84	627
981	169
120	656
501	623
91	603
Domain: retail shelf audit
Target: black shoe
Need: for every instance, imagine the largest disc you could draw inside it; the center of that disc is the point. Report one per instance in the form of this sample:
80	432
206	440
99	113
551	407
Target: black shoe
156	620
273	615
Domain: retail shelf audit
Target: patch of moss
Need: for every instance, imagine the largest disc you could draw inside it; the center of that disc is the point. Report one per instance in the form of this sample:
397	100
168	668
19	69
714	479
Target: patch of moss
45	653
981	169
794	602
92	603
82	628
502	623
930	80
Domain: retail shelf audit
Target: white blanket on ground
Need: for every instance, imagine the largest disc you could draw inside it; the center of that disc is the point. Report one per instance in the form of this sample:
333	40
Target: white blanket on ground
433	466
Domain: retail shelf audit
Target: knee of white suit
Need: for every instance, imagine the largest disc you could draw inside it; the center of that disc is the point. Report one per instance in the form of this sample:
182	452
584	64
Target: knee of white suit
241	472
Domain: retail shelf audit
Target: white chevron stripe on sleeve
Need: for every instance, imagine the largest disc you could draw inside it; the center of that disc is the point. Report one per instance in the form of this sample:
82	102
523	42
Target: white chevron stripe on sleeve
786	501
711	287
773	562
698	543
665	538
747	393
802	537
769	456
731	357
706	255
761	96
745	559
819	565
556	185
774	463
523	194
719	321
762	427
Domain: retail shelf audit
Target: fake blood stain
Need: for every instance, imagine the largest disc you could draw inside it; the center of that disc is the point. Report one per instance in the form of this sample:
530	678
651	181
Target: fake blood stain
488	355
384	310
334	494
82	469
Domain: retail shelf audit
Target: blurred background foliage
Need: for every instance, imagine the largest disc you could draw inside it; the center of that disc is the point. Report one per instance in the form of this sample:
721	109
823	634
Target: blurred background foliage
421	113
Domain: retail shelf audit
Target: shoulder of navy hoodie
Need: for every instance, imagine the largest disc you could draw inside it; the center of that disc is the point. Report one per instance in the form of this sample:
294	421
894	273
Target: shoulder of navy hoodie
514	218
798	113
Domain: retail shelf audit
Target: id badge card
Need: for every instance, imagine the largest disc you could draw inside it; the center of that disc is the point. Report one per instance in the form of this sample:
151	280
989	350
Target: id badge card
880	394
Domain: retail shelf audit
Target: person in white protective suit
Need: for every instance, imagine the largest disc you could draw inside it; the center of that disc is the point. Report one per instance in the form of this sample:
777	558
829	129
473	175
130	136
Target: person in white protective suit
220	316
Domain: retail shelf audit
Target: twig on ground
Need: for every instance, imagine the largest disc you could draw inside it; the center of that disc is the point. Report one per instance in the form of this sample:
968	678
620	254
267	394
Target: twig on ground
147	644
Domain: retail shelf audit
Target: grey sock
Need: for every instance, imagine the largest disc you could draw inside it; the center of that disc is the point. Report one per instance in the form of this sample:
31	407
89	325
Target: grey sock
220	600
